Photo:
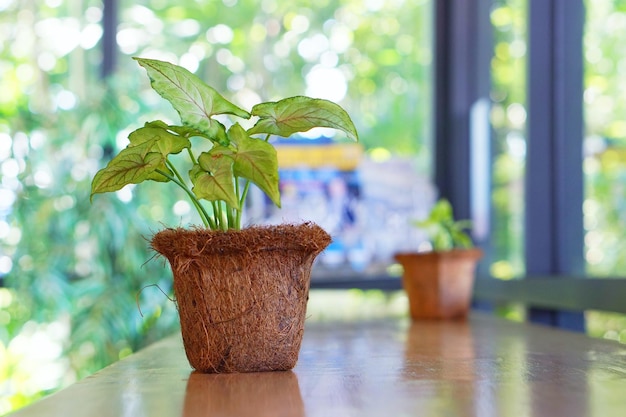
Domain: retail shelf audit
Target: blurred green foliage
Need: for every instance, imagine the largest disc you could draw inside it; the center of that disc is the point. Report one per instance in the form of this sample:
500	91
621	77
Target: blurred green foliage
605	143
74	271
444	231
605	135
604	165
508	121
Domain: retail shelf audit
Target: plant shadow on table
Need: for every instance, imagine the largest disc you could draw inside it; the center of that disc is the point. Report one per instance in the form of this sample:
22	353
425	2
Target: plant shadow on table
256	394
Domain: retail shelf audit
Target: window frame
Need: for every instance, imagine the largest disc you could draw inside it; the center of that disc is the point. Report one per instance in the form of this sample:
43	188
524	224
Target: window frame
554	287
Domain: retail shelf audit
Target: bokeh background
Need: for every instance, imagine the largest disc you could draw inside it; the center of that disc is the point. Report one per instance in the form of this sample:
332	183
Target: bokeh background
79	287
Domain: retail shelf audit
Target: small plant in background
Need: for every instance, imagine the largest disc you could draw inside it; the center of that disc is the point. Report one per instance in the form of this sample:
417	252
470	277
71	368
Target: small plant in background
222	174
445	233
439	282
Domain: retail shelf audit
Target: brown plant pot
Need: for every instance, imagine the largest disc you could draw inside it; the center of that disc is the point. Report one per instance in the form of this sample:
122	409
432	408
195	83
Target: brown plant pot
242	295
439	285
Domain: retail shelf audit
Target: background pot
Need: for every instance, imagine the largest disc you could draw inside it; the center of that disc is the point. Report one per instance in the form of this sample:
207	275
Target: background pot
439	285
242	295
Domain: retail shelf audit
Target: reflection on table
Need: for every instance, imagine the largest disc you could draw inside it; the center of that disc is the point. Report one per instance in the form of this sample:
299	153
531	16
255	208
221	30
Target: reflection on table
480	367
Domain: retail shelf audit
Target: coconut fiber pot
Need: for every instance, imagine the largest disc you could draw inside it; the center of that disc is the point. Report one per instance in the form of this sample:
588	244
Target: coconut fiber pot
242	295
439	285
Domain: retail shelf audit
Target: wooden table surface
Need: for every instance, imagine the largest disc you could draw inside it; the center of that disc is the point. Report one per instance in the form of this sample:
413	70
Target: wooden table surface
481	367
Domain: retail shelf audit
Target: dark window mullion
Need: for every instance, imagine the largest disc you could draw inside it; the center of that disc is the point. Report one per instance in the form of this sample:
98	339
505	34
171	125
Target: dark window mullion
554	192
109	34
463	50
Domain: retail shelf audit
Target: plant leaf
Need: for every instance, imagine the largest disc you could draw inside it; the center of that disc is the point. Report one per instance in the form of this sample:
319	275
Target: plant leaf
256	160
445	232
207	159
442	211
131	166
184	131
191	97
461	239
158	139
213	179
299	114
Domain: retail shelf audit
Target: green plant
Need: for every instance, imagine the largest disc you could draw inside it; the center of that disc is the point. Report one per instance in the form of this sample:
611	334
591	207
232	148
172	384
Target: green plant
235	158
445	232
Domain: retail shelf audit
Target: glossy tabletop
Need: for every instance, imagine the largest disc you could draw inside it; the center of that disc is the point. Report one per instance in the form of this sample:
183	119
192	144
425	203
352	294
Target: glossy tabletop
480	367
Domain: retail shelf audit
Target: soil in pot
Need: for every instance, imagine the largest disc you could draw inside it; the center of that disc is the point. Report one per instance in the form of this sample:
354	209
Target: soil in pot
242	295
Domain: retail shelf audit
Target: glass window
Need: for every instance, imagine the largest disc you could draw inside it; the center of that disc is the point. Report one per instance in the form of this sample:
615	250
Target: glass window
605	137
604	166
508	119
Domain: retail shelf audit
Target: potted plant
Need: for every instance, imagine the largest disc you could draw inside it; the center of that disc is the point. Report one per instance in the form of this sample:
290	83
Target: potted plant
439	282
241	293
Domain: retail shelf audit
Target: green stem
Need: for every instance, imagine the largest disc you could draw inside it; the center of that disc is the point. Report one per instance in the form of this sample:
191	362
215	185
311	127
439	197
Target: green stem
242	201
174	170
220	215
193	158
217	214
206	219
236	212
224	215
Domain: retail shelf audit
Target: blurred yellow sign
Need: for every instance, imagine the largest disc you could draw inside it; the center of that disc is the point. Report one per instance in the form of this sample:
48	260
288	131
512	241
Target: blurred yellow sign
343	156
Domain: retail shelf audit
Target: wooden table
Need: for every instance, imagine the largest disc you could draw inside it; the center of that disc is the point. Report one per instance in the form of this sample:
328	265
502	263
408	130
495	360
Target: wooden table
482	367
